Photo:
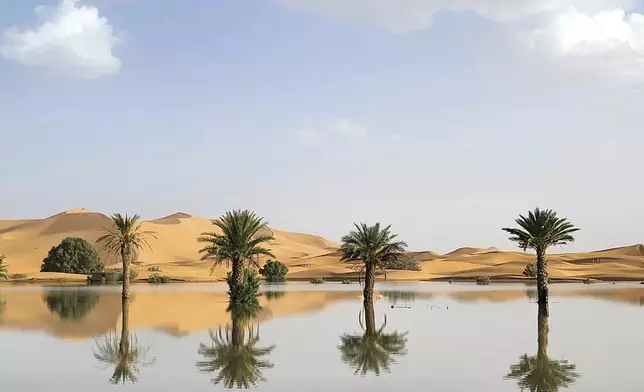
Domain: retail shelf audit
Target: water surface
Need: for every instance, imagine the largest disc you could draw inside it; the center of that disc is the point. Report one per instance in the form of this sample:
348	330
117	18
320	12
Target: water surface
424	336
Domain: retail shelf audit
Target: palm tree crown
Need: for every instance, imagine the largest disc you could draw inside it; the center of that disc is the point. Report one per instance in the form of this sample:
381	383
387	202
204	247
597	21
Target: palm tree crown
124	357
371	245
239	241
127	235
541	229
3	268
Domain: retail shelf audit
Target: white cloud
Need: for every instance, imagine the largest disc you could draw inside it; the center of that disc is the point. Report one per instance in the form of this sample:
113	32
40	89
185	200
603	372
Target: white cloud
405	16
606	44
340	131
70	39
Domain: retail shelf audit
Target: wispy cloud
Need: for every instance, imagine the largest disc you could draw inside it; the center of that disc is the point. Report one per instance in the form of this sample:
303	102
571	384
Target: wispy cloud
340	131
69	39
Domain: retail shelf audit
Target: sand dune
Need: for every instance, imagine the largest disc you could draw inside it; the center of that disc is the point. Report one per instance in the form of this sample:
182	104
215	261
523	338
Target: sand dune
176	252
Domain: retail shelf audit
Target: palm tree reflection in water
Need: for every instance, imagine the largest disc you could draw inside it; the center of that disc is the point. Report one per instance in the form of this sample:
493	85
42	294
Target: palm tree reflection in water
538	373
232	353
123	352
373	351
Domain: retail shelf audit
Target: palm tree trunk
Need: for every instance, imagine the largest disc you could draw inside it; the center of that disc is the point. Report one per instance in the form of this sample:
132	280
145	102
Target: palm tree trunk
369	282
124	345
542	278
370	318
237	330
238	274
125	259
542	331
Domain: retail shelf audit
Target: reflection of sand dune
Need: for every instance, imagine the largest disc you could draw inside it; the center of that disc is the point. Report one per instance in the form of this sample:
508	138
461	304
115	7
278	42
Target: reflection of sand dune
174	312
26	243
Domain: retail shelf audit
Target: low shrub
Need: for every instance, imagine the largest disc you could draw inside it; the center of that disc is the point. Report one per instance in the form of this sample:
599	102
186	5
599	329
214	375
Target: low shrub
483	280
246	294
274	271
117	275
154	268
404	262
346	281
156	278
530	270
18	277
317	280
588	281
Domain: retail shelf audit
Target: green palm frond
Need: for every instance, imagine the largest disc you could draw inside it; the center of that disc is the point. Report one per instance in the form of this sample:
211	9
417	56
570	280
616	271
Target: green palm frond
232	353
239	240
541	229
372	246
3	268
374	351
126	236
124	353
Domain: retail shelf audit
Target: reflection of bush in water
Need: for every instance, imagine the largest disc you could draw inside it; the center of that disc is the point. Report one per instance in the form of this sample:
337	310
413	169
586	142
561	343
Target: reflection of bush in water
71	305
399	296
531	293
273	295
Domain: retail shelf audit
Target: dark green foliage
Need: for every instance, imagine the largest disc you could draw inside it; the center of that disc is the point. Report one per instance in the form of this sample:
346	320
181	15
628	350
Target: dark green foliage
73	256
154	269
317	280
483	280
246	293
156	278
18	277
346	281
71	304
404	262
117	275
530	270
274	271
541	229
588	281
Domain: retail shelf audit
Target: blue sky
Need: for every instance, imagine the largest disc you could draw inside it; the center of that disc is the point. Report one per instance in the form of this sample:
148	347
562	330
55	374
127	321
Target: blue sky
443	118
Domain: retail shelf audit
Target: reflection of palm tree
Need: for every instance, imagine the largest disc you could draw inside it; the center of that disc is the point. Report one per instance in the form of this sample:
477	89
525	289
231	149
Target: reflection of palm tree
374	350
122	351
539	373
3	306
233	352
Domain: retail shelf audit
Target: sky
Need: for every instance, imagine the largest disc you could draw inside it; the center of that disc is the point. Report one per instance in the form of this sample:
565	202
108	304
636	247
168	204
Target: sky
443	118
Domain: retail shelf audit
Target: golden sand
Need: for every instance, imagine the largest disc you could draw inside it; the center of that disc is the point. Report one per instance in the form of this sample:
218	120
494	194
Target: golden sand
175	251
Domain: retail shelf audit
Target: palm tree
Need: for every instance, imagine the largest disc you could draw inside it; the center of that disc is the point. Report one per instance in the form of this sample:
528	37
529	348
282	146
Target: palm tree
125	240
374	350
540	373
540	230
233	354
238	244
374	247
3	268
123	352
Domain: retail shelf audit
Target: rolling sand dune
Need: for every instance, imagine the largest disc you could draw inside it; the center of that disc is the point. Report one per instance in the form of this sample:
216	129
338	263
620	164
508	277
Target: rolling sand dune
176	252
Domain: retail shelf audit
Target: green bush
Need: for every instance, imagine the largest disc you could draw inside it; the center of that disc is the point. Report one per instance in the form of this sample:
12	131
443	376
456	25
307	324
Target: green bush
18	277
404	262
73	256
117	275
317	280
274	271
154	269
71	304
347	281
483	280
530	270
156	278
588	281
246	294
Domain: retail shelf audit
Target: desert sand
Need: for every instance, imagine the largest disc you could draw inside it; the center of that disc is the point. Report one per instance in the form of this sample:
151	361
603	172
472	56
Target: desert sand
26	243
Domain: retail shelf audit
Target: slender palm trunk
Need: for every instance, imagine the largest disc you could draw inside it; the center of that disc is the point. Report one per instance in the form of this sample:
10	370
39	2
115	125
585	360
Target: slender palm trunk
542	278
125	259
238	274
369	282
124	345
237	331
370	318
542	331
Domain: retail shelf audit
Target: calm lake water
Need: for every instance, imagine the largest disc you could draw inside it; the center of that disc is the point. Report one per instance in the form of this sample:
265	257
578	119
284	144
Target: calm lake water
437	337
